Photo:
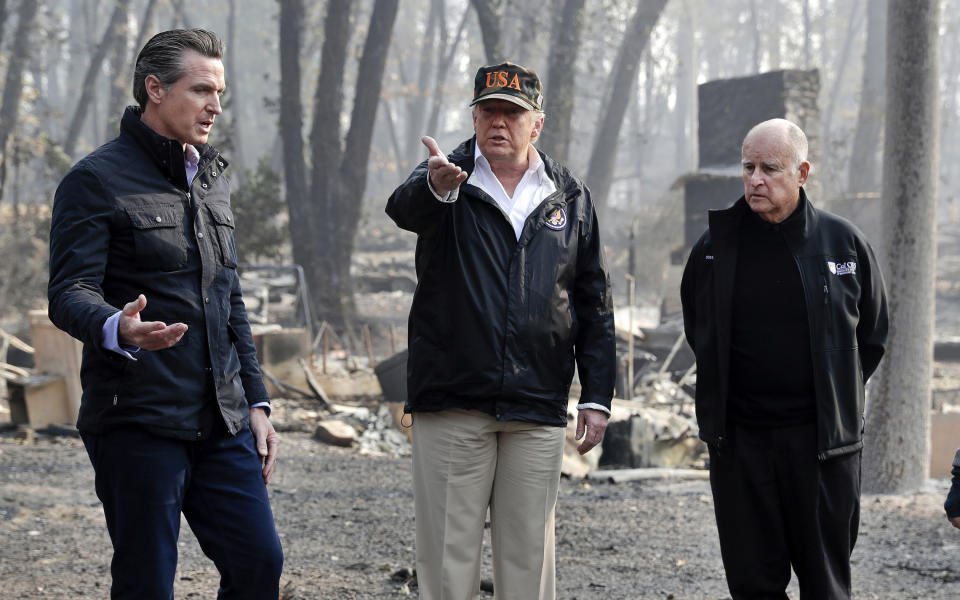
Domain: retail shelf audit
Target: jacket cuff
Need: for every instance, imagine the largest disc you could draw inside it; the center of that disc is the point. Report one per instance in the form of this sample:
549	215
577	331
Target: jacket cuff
448	198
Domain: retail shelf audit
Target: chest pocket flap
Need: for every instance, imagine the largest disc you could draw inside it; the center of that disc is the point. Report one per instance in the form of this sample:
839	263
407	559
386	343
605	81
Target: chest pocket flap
153	218
222	218
158	238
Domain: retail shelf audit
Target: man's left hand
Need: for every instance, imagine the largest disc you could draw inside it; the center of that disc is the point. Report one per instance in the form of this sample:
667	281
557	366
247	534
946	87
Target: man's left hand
591	423
268	442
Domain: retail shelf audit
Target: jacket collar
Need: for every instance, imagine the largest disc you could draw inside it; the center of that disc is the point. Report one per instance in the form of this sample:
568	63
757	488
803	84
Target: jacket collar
166	153
797	228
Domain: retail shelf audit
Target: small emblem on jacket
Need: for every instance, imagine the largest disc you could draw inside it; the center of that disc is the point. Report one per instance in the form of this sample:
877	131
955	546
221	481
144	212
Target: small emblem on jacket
557	219
842	268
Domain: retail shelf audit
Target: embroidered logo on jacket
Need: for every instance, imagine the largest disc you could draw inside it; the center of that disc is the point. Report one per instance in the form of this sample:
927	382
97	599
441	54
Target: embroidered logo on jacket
842	268
557	219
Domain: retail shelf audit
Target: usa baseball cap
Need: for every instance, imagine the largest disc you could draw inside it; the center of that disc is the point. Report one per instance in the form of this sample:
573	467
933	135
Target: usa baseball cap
510	82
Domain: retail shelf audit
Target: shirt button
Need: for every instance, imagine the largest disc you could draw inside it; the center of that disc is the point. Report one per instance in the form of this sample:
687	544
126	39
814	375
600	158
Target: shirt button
204	186
214	173
220	162
200	235
207	299
158	219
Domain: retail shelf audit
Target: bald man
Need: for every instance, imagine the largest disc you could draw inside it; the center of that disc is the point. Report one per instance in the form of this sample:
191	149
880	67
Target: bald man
784	307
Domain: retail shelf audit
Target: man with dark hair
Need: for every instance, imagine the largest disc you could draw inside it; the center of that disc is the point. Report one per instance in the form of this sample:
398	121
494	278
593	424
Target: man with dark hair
174	414
512	291
784	307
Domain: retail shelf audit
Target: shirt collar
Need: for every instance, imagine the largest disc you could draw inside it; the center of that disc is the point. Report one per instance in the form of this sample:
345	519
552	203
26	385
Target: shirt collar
534	162
191	155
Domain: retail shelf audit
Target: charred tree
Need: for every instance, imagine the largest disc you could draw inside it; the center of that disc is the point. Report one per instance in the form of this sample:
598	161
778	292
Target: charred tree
555	139
449	51
291	135
120	72
3	19
13	84
343	200
490	19
326	149
853	25
686	90
897	444
148	12
865	157
180	11
604	155
235	97
324	222
416	103
89	80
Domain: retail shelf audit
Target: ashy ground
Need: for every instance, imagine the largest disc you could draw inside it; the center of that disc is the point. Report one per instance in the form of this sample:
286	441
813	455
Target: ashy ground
346	521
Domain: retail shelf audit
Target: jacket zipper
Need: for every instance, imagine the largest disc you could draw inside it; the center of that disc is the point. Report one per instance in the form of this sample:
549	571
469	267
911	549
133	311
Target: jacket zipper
827	313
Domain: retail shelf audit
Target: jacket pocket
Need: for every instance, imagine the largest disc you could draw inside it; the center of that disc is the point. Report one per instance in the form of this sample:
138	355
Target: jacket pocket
158	237
222	218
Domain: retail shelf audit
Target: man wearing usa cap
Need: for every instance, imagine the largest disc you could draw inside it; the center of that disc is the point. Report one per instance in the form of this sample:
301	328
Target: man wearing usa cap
512	293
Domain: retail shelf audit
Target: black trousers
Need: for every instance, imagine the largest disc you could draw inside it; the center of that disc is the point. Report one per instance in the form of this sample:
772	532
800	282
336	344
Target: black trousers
778	506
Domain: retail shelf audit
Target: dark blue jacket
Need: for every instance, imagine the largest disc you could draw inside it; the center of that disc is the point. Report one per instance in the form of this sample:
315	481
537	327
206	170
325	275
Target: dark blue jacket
125	223
498	323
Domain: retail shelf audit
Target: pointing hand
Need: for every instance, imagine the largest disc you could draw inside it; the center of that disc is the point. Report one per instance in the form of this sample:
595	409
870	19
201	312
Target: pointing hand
444	175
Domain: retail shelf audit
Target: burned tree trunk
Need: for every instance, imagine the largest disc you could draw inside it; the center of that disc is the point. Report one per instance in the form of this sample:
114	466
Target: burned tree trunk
865	158
342	200
449	50
141	38
624	75
433	43
120	73
236	98
13	85
326	152
490	18
291	135
555	139
323	223
3	19
89	81
897	444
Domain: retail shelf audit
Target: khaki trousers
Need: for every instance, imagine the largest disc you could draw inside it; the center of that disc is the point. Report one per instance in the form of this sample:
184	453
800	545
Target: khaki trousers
463	462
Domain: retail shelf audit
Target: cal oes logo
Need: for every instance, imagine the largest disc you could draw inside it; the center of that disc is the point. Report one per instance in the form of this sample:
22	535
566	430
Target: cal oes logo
557	219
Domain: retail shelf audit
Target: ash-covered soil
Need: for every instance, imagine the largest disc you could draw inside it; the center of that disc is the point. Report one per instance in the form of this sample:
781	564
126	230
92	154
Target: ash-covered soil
346	521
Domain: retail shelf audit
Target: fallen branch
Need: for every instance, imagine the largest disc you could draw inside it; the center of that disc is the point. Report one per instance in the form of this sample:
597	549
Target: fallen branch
315	387
17	342
284	386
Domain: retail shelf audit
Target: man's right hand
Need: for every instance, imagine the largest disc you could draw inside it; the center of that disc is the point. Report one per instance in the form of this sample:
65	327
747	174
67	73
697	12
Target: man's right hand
444	175
149	335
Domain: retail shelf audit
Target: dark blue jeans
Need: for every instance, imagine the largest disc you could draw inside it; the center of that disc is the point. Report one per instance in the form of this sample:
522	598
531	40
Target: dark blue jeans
145	481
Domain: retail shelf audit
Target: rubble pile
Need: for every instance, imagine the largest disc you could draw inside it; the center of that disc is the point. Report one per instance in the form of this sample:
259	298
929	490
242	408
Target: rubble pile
374	431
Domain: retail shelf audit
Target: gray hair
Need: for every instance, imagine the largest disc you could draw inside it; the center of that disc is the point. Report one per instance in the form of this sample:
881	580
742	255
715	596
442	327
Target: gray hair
162	57
796	138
